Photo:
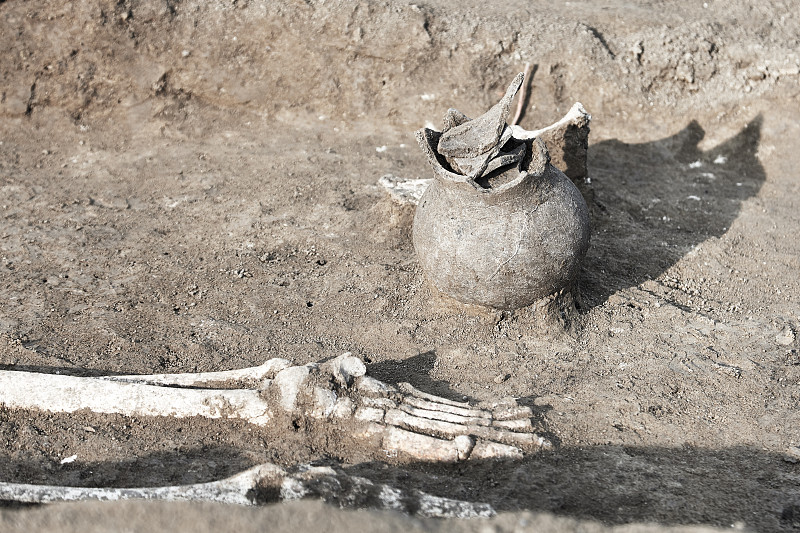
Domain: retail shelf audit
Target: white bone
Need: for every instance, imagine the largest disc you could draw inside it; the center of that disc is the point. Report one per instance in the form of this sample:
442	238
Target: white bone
66	394
418	424
409	389
436	406
404	421
445	416
576	112
244	489
244	378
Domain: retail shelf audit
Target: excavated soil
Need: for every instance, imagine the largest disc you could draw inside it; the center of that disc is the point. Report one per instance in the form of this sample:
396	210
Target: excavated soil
192	186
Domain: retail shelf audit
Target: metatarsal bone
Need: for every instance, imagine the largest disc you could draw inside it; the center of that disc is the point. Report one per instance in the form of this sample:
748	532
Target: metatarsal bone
420	447
66	394
370	386
409	389
494	450
444	416
437	406
249	378
523	424
402	419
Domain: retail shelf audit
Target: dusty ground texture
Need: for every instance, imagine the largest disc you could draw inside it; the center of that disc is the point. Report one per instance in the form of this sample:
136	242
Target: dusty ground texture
192	185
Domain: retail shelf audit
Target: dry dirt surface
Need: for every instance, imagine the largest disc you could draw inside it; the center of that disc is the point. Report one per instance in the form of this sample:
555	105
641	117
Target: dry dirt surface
191	185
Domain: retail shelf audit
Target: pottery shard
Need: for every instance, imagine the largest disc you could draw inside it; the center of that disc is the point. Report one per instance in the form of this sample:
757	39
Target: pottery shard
453	118
472	138
567	144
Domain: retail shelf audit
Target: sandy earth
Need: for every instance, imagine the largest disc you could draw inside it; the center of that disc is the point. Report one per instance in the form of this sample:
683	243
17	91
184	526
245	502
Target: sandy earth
192	186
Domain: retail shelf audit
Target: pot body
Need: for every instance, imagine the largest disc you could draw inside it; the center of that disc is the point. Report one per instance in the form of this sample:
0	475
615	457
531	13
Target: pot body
503	248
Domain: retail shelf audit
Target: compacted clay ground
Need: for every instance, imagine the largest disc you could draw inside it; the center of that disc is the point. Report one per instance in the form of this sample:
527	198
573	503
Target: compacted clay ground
192	186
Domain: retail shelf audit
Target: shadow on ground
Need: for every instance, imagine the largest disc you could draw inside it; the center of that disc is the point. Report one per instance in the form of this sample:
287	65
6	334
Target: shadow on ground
741	486
655	201
619	485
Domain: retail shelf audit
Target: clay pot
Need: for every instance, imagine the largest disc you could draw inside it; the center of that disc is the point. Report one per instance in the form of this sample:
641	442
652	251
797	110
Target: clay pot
502	241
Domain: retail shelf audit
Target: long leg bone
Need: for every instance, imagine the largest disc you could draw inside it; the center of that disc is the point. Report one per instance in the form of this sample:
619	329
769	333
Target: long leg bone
261	484
402	420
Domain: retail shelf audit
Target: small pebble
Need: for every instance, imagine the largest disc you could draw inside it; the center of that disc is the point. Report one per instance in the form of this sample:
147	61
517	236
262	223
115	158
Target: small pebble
792	454
501	378
785	337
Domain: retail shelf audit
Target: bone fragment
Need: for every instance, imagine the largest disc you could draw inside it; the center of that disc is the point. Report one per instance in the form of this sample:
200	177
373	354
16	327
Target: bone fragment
445	417
66	394
494	450
442	429
244	378
290	382
380	403
522	424
347	368
251	486
422	447
369	386
447	408
575	114
410	389
324	403
343	409
369	414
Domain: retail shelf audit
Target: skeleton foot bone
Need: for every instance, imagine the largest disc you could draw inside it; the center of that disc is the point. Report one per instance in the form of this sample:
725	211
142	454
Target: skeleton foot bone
403	421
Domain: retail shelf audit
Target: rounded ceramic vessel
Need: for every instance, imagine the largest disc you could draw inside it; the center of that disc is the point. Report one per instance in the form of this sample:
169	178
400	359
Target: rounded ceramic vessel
503	246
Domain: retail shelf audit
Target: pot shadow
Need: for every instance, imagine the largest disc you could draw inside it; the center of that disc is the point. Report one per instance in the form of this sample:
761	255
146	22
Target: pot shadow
621	484
416	371
654	202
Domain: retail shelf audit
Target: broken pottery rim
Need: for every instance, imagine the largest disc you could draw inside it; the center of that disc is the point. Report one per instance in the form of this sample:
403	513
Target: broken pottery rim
539	159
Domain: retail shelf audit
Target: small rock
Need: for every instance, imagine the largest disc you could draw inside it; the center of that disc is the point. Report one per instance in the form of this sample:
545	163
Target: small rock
501	378
792	454
404	191
785	337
